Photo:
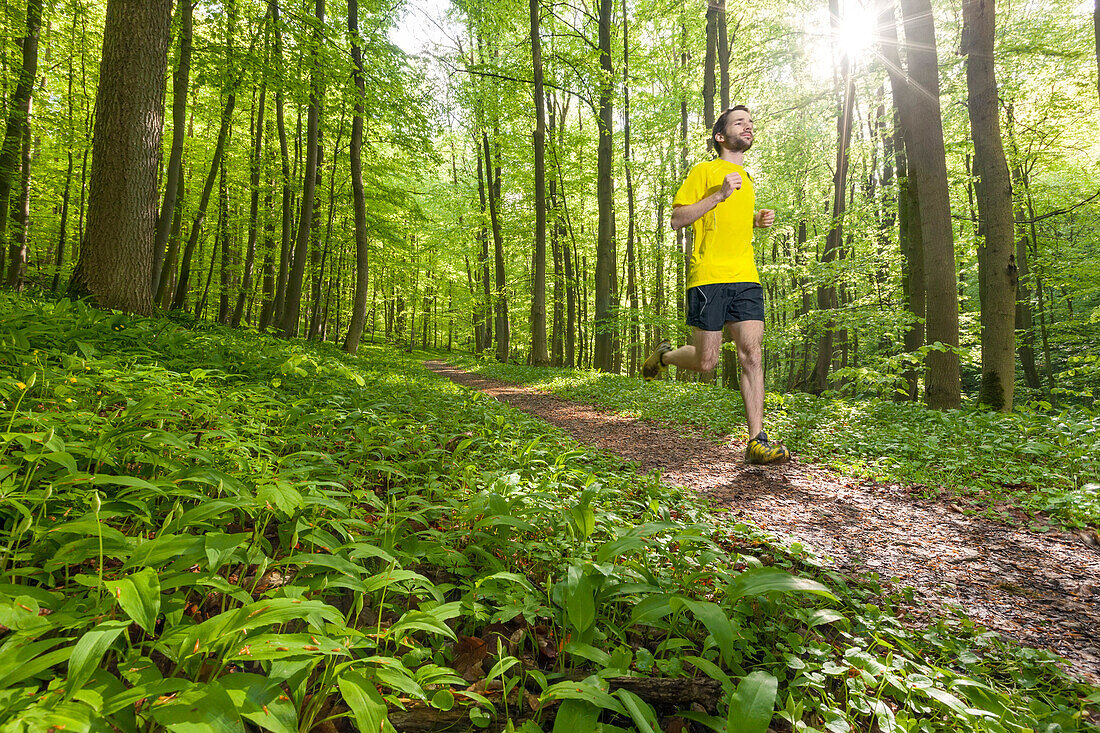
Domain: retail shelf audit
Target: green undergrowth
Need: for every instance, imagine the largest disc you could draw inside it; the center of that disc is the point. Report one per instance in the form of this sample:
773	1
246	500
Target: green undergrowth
1034	461
207	530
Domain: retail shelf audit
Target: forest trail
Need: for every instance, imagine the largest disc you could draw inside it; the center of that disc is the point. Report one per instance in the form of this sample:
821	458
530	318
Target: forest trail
1040	589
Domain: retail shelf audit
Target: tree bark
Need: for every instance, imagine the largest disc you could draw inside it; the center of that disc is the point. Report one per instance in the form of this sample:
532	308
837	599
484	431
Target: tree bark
628	165
605	238
997	273
253	207
15	154
500	294
539	356
358	196
827	294
204	202
1096	37
116	259
180	86
928	163
292	311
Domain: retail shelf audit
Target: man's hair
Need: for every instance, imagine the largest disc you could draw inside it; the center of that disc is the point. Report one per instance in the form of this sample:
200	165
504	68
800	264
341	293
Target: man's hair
720	123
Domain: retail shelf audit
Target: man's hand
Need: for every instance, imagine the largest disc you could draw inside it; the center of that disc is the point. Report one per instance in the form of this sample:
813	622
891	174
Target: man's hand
730	183
764	218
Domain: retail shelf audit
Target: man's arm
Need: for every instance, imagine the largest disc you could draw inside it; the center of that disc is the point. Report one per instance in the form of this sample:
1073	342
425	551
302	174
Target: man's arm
682	216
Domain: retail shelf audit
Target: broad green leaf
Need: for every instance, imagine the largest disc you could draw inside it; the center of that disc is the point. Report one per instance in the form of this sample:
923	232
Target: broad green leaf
580	597
21	660
718	624
365	702
202	709
651	609
139	597
752	704
284	646
587	692
576	715
764	580
87	653
220	546
421	621
443	700
261	701
640	712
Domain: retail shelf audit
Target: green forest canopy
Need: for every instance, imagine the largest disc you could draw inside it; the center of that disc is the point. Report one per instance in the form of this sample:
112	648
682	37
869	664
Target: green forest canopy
449	225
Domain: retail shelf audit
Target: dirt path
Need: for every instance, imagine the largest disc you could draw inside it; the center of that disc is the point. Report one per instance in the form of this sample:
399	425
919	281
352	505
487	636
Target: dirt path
1042	590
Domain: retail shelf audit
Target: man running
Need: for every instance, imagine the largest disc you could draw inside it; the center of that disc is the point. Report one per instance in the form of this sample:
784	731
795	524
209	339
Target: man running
723	285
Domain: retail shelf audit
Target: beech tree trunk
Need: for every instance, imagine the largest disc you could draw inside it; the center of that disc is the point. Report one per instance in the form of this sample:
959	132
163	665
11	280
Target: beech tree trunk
996	252
500	294
180	86
631	257
116	259
928	168
826	294
358	196
15	154
253	206
605	238
539	356
292	311
204	202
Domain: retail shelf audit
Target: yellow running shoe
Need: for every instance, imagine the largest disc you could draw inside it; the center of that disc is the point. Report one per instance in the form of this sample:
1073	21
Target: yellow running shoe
654	365
760	451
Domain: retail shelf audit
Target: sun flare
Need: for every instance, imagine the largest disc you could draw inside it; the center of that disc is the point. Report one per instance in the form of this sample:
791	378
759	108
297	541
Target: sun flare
855	33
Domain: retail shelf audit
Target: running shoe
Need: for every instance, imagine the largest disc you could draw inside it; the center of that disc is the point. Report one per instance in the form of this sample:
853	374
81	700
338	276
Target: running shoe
654	365
760	451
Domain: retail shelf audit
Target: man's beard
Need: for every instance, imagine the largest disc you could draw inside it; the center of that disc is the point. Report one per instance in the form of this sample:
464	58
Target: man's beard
736	144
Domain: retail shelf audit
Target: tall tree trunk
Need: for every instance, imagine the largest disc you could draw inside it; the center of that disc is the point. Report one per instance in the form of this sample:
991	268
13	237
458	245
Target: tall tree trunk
223	242
255	165
628	164
319	253
1025	323
15	153
116	258
826	294
928	163
292	311
500	294
180	86
710	62
1096	37
204	202
996	256
358	196
287	211
539	357
605	238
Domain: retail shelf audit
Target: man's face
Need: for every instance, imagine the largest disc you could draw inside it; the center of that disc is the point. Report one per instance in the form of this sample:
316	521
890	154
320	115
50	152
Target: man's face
739	132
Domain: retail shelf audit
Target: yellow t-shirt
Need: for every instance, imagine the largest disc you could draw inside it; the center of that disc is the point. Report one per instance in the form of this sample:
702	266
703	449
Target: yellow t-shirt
723	236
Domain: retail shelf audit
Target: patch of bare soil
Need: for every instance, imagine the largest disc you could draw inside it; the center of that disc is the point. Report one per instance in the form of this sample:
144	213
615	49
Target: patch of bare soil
1042	590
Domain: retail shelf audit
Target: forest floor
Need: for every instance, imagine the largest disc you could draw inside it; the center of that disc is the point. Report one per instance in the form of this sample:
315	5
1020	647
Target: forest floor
1039	589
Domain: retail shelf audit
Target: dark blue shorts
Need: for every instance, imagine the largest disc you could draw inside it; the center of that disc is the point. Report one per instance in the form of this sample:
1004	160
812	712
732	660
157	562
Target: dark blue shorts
709	307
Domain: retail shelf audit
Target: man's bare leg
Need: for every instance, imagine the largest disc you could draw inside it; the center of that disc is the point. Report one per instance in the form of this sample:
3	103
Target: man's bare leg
701	355
748	336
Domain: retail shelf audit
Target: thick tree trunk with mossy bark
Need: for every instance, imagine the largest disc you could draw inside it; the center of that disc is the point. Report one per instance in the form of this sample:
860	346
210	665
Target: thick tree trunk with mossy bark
116	260
928	170
996	251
